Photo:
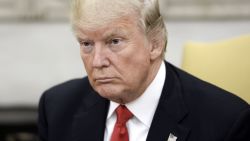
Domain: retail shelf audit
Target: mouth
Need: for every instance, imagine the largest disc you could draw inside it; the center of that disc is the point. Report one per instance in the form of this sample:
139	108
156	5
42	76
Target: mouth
104	79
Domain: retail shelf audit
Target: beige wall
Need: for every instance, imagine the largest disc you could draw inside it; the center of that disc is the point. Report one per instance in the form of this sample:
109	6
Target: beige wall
54	10
205	9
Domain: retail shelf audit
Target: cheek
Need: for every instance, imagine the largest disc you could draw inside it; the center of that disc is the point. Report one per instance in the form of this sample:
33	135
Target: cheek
138	59
135	66
87	63
88	68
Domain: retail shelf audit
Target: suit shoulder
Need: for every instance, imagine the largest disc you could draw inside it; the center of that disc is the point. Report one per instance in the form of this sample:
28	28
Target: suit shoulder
71	89
65	97
70	84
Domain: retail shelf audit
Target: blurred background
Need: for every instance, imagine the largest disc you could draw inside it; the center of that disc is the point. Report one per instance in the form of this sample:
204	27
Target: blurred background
38	49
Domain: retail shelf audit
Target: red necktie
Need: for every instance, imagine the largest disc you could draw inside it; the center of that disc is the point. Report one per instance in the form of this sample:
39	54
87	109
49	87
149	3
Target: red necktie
120	132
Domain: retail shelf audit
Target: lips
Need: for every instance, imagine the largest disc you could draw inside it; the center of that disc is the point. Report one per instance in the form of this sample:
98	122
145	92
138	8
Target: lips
104	79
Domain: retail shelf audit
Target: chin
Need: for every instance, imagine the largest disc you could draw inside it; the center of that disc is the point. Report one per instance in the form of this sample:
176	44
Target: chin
106	92
111	94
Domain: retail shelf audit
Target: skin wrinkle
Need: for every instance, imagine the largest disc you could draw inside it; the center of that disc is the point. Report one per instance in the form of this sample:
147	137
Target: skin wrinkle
118	30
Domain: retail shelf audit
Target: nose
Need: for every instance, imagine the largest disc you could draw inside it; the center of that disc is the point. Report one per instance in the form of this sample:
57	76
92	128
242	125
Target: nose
100	58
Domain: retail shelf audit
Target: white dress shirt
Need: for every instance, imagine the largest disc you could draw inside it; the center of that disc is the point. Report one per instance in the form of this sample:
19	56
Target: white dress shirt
143	109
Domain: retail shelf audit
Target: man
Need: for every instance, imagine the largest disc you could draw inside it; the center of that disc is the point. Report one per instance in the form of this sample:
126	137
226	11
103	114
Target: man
130	92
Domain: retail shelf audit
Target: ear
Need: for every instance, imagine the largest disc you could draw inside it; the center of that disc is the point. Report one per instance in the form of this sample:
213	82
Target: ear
156	47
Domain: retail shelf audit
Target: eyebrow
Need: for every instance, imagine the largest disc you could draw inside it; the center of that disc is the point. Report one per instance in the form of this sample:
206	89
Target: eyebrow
79	38
117	31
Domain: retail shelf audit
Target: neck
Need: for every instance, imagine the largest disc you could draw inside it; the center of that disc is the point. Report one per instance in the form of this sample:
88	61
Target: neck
155	66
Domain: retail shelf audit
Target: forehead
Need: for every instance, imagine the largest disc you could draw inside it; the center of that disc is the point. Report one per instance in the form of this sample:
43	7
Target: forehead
122	26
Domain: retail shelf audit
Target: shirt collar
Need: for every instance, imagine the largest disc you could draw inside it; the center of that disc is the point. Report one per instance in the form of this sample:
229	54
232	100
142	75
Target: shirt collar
143	108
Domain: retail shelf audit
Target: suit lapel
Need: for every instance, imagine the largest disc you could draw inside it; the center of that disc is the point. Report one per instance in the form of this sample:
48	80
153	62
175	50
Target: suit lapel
170	111
89	122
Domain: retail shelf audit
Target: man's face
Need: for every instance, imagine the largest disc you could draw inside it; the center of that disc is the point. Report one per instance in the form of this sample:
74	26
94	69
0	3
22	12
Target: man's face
117	59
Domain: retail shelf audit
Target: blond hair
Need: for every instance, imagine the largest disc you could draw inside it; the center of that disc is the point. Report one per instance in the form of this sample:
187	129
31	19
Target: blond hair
95	13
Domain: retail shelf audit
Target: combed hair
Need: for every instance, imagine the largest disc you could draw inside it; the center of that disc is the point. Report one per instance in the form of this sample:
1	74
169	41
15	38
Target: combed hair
94	13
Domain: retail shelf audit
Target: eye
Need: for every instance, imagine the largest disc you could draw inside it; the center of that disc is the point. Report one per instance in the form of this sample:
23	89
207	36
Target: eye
87	46
115	41
85	43
117	44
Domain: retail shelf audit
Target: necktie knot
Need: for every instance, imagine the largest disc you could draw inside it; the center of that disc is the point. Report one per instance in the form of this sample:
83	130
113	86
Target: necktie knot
123	114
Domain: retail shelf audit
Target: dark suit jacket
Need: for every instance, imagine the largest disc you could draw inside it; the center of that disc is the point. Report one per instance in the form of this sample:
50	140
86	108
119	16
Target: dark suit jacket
189	108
